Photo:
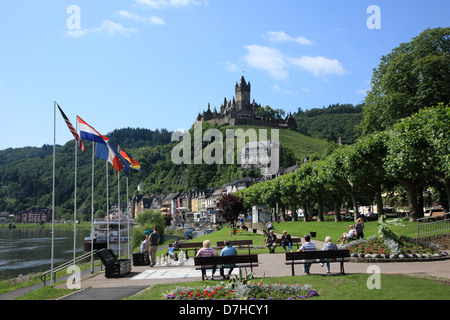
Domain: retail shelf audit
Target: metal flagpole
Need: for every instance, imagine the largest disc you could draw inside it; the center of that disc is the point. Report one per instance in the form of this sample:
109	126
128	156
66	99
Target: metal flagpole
75	205
128	217
92	210
107	207
53	195
118	199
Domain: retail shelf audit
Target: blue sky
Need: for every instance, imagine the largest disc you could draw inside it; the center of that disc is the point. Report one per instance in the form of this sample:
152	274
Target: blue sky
158	63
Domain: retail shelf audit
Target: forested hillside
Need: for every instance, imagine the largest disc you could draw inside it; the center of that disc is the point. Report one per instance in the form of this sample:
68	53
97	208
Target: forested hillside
337	120
26	173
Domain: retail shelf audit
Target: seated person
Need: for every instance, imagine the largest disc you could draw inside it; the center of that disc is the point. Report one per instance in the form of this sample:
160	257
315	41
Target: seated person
271	241
145	245
329	245
286	241
172	249
348	236
307	246
207	251
227	251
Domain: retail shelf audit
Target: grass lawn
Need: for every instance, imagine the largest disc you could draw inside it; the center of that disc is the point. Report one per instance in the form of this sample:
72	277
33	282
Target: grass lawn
299	229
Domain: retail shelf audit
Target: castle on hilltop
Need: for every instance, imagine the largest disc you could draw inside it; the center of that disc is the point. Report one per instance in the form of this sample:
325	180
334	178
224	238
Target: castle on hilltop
239	111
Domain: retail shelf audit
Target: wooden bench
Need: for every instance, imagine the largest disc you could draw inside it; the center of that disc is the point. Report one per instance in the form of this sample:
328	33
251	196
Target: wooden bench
296	241
293	258
141	259
115	268
239	261
187	246
246	244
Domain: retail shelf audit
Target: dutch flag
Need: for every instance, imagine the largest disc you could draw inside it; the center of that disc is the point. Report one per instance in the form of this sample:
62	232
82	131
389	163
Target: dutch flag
87	132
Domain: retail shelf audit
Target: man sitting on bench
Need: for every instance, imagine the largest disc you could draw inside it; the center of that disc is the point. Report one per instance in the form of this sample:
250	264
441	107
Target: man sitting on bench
307	246
227	251
271	241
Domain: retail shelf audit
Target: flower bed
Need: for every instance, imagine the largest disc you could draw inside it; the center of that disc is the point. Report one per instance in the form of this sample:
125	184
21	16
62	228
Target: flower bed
243	292
403	248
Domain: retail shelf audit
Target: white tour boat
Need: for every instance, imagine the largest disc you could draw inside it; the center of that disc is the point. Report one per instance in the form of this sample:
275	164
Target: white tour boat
104	229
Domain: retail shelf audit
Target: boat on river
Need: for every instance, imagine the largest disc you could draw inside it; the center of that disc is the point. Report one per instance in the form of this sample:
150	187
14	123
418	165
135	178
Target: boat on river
112	230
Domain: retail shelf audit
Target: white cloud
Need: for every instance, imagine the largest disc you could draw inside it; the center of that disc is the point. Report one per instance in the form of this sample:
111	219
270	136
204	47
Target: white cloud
280	36
276	63
319	65
108	27
364	91
76	33
230	66
305	89
269	59
277	89
163	4
134	16
112	28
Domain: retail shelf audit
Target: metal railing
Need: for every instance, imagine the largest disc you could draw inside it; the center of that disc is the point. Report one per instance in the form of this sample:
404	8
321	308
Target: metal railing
65	266
434	224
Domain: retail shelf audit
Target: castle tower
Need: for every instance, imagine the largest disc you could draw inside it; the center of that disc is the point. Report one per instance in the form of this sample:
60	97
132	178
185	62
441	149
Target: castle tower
243	95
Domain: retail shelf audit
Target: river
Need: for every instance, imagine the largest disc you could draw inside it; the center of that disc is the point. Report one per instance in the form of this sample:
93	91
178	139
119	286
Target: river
24	251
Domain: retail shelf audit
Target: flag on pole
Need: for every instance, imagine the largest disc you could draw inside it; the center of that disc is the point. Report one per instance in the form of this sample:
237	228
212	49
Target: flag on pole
126	164
133	163
108	153
72	129
87	132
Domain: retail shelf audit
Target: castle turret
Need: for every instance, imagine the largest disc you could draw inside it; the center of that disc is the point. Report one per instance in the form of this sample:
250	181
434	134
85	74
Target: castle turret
243	95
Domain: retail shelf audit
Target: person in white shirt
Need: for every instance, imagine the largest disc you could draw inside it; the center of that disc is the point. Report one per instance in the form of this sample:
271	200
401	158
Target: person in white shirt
307	246
351	235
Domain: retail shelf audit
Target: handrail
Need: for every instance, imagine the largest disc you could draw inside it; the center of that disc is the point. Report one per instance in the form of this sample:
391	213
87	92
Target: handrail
63	266
436	224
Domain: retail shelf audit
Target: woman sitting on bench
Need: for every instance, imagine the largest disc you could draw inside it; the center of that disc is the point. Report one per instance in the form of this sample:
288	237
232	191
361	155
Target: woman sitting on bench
351	235
207	251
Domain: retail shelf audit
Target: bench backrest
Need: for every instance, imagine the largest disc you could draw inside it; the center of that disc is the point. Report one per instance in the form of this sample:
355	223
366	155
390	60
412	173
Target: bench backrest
107	256
319	254
236	243
188	245
240	258
293	240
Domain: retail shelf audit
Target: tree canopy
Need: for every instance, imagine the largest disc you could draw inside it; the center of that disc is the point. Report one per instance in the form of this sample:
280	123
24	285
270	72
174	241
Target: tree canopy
413	76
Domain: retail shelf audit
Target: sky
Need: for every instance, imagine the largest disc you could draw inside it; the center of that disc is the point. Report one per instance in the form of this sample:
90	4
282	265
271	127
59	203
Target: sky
158	63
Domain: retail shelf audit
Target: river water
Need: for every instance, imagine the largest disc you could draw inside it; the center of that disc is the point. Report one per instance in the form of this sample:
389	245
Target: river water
24	251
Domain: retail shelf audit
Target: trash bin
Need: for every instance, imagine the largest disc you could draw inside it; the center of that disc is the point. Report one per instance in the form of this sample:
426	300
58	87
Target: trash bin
312	234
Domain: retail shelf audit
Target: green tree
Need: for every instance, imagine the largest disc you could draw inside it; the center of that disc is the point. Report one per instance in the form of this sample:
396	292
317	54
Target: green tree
333	177
414	75
147	220
367	163
408	160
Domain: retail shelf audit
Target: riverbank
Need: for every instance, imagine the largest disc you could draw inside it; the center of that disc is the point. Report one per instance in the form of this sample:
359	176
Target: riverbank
58	225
